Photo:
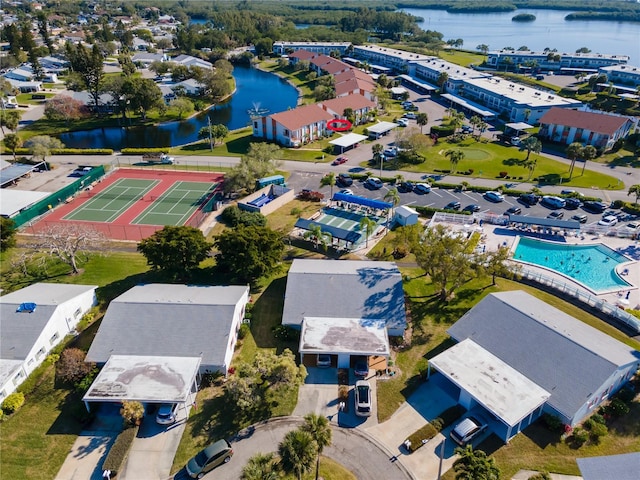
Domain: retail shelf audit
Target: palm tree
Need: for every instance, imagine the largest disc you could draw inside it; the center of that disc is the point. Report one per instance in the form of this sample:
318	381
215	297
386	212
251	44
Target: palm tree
634	190
318	427
531	166
329	179
531	144
573	153
260	467
422	119
318	236
297	452
394	197
588	153
474	464
367	226
454	158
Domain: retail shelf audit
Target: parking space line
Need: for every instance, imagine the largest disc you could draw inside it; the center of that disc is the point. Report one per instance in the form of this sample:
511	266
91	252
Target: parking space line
436	193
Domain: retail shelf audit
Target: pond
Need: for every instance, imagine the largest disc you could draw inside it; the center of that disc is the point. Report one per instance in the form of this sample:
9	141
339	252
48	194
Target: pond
255	89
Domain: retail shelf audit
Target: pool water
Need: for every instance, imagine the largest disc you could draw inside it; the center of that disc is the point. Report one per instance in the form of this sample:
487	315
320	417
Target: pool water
594	266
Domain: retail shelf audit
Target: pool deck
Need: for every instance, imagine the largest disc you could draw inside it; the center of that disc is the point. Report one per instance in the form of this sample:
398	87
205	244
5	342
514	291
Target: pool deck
495	236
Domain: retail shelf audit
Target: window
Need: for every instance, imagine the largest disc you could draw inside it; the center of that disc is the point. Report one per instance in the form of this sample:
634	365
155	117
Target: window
53	339
40	353
30	362
255	124
17	378
77	313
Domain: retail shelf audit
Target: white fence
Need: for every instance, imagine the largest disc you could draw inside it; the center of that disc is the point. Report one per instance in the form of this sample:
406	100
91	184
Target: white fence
583	296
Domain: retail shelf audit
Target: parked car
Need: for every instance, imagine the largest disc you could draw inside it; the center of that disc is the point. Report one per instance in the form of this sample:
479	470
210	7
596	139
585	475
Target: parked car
572	203
403	122
553	202
363	398
467	129
361	368
211	457
324	361
594	207
167	414
410	115
513	211
374	183
582	218
472	208
405	187
340	160
634	226
422	188
344	180
346	191
390	152
493	196
468	429
608	221
556	215
515	141
454	205
529	198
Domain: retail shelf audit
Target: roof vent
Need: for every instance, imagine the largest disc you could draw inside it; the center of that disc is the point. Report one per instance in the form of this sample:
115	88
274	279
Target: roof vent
26	307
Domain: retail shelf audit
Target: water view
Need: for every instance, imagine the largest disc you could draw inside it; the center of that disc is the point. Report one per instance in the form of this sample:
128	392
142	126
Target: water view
255	90
548	30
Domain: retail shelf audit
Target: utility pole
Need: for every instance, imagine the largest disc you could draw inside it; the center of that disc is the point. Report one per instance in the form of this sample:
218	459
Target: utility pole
441	457
210	139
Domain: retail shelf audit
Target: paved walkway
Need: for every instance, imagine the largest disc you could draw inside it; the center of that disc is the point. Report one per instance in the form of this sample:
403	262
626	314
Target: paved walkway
526	474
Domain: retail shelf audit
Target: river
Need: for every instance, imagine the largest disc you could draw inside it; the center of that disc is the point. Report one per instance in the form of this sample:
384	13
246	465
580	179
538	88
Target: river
548	30
254	88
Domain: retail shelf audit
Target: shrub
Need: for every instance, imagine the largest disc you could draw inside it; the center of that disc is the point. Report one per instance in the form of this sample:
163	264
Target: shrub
597	418
13	402
442	130
234	216
71	151
119	450
71	367
588	423
580	436
244	331
442	421
425	433
553	423
626	394
132	412
84	384
597	431
540	476
503	174
310	196
617	408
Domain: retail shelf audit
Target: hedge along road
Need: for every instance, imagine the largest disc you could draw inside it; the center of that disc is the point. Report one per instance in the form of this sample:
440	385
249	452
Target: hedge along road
628	176
352	448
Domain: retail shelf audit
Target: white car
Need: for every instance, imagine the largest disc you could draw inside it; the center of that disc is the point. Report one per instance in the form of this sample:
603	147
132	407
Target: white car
346	191
608	221
403	122
167	414
422	188
410	115
390	152
468	429
363	398
494	196
373	183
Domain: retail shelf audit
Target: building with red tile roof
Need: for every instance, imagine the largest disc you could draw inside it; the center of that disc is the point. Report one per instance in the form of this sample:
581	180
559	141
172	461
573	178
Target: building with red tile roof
360	105
567	126
295	127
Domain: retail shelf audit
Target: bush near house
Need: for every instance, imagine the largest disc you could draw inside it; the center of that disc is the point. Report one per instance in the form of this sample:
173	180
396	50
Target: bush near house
13	402
120	449
430	430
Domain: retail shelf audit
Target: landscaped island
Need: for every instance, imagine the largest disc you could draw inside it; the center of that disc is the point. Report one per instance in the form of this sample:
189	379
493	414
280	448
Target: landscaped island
524	17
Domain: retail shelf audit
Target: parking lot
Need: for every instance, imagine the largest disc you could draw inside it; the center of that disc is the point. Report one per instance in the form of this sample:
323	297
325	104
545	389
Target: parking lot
439	198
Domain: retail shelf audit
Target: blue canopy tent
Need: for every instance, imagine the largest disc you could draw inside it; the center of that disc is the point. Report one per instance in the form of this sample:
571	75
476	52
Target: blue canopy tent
367	202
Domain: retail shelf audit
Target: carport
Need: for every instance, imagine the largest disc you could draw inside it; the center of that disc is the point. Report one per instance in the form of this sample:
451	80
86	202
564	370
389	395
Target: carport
517	127
145	379
544	222
380	129
487	382
342	338
16	171
364	201
347	141
348	236
470	106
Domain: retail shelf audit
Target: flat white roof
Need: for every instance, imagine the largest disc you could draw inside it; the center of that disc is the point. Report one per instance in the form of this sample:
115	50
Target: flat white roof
521	94
480	110
144	379
382	127
358	336
12	201
499	388
348	140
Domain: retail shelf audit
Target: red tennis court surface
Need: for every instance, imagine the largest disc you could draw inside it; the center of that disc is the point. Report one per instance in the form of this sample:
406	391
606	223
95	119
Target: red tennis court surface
126	226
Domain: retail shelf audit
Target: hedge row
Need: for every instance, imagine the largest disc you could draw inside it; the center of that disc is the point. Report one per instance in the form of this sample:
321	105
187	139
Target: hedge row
142	151
430	430
70	151
120	449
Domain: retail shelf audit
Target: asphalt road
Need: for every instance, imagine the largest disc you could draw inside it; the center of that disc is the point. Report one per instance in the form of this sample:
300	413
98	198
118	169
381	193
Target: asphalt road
352	448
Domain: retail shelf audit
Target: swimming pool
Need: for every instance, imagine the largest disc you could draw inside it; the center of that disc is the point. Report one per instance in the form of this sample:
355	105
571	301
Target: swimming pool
594	266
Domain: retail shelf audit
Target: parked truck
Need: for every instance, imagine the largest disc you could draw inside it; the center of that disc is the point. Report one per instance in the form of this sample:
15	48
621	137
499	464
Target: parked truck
157	158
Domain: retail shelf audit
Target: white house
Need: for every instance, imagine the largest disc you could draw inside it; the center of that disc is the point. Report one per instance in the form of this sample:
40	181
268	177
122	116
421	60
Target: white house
518	357
295	127
191	61
162	320
190	85
405	216
34	320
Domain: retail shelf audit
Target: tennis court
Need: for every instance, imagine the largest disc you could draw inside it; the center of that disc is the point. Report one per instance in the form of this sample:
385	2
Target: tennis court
110	203
176	205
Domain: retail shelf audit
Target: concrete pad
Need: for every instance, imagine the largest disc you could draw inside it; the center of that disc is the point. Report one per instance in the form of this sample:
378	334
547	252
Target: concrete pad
525	474
84	461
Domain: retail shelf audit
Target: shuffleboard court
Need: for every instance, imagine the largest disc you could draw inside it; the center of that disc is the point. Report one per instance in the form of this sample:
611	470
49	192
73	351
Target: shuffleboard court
113	201
176	205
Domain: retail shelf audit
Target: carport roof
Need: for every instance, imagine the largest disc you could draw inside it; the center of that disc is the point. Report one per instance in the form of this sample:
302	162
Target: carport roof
499	388
348	140
145	379
14	172
357	336
382	127
13	201
544	222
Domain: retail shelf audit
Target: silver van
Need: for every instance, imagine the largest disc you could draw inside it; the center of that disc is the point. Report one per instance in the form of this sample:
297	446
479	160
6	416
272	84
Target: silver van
553	202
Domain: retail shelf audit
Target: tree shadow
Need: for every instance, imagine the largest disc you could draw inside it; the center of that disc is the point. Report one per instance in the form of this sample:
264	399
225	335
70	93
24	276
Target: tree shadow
519	162
625	161
539	434
267	315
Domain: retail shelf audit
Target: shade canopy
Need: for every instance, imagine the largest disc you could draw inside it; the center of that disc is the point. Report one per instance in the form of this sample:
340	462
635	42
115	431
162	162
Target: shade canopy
545	222
367	202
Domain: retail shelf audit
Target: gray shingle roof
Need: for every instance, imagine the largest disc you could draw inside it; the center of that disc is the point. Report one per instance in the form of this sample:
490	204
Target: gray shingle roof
620	467
20	330
169	320
344	289
558	352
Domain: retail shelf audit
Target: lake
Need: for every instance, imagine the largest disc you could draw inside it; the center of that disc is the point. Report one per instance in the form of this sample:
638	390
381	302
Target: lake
254	88
548	30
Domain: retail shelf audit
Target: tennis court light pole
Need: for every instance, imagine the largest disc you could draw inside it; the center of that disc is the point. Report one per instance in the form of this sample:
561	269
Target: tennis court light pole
210	139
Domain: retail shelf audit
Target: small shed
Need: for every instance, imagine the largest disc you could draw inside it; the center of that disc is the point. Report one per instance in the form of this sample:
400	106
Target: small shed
405	216
398	92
